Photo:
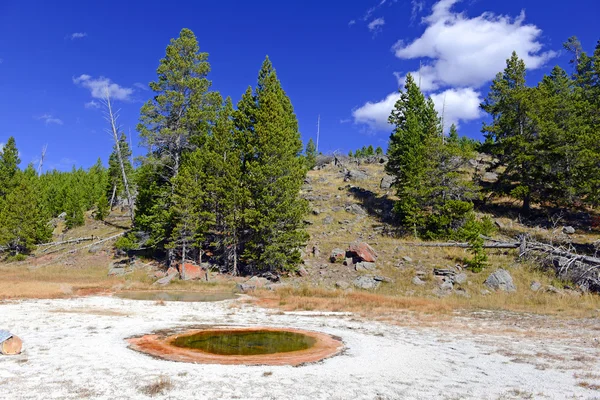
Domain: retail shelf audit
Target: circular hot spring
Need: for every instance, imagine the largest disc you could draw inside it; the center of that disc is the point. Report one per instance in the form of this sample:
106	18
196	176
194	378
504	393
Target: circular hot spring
249	346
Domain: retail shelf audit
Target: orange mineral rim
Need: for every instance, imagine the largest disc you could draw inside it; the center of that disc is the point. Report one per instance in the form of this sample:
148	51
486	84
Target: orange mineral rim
161	346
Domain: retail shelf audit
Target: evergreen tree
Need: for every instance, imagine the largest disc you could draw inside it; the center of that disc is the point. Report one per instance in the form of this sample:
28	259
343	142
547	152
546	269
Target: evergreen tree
9	167
350	154
453	135
175	121
370	151
379	151
274	173
311	154
512	137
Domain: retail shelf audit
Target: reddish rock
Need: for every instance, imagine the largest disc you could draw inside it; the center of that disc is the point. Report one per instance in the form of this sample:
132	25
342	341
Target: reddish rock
189	272
302	271
172	271
362	251
11	346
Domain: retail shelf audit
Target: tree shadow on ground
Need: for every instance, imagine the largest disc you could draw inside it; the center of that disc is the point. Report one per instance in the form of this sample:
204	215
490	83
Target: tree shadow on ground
380	207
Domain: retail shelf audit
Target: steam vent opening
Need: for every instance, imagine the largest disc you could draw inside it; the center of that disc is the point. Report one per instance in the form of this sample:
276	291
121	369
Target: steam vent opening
250	346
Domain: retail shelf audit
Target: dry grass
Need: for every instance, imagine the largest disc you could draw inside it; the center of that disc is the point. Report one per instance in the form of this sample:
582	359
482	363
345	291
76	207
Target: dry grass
160	386
588	385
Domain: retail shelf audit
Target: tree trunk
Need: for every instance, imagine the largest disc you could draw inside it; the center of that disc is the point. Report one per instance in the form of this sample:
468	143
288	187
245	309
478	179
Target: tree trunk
113	125
112	198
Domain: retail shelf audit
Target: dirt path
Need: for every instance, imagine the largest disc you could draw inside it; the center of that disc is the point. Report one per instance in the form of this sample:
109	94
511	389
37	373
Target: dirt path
75	348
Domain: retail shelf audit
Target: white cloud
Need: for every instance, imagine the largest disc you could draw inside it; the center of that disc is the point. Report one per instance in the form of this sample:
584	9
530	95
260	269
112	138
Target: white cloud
92	104
375	115
78	35
416	8
471	51
463	55
98	87
376	24
49	119
456	106
141	86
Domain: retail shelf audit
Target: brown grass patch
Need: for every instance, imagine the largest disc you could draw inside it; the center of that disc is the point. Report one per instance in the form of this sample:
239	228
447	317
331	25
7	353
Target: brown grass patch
588	385
161	385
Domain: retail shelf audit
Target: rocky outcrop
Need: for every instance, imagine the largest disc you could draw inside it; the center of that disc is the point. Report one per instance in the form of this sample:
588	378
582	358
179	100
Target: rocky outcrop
386	182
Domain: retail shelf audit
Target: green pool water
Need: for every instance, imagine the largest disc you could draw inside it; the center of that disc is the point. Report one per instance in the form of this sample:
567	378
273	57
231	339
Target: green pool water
175	296
245	343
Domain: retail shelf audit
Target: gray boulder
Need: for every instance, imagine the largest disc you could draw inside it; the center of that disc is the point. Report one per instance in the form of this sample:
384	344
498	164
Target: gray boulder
356	209
167	279
500	280
535	286
569	230
418	281
386	182
460	278
356	175
366	282
364	266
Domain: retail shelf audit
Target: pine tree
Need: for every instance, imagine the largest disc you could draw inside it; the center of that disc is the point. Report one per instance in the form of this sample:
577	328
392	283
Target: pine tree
311	154
22	220
9	167
370	151
512	138
453	135
379	151
176	120
274	173
415	124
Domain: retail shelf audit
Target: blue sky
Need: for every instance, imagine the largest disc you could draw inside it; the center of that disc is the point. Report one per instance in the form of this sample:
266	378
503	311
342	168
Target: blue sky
341	59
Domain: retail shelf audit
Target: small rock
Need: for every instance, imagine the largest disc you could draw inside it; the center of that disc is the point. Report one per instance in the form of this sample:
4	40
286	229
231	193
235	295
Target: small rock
386	182
328	220
167	279
417	281
385	279
446	286
315	251
500	280
366	282
364	266
316	211
337	255
342	285
535	286
244	287
302	272
407	259
443	272
568	230
421	274
460	278
356	209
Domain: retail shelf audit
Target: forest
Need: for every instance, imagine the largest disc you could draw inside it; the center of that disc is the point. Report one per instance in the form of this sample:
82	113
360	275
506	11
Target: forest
223	182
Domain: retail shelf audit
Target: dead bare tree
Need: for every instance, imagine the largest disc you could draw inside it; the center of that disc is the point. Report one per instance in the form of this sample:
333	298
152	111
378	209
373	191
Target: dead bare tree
112	117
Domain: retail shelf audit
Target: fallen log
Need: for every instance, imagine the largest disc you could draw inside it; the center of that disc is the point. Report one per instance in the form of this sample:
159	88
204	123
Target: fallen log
466	245
77	240
98	242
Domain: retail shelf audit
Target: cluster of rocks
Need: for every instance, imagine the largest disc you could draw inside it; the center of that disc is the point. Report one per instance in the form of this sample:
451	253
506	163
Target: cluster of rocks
186	272
362	258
